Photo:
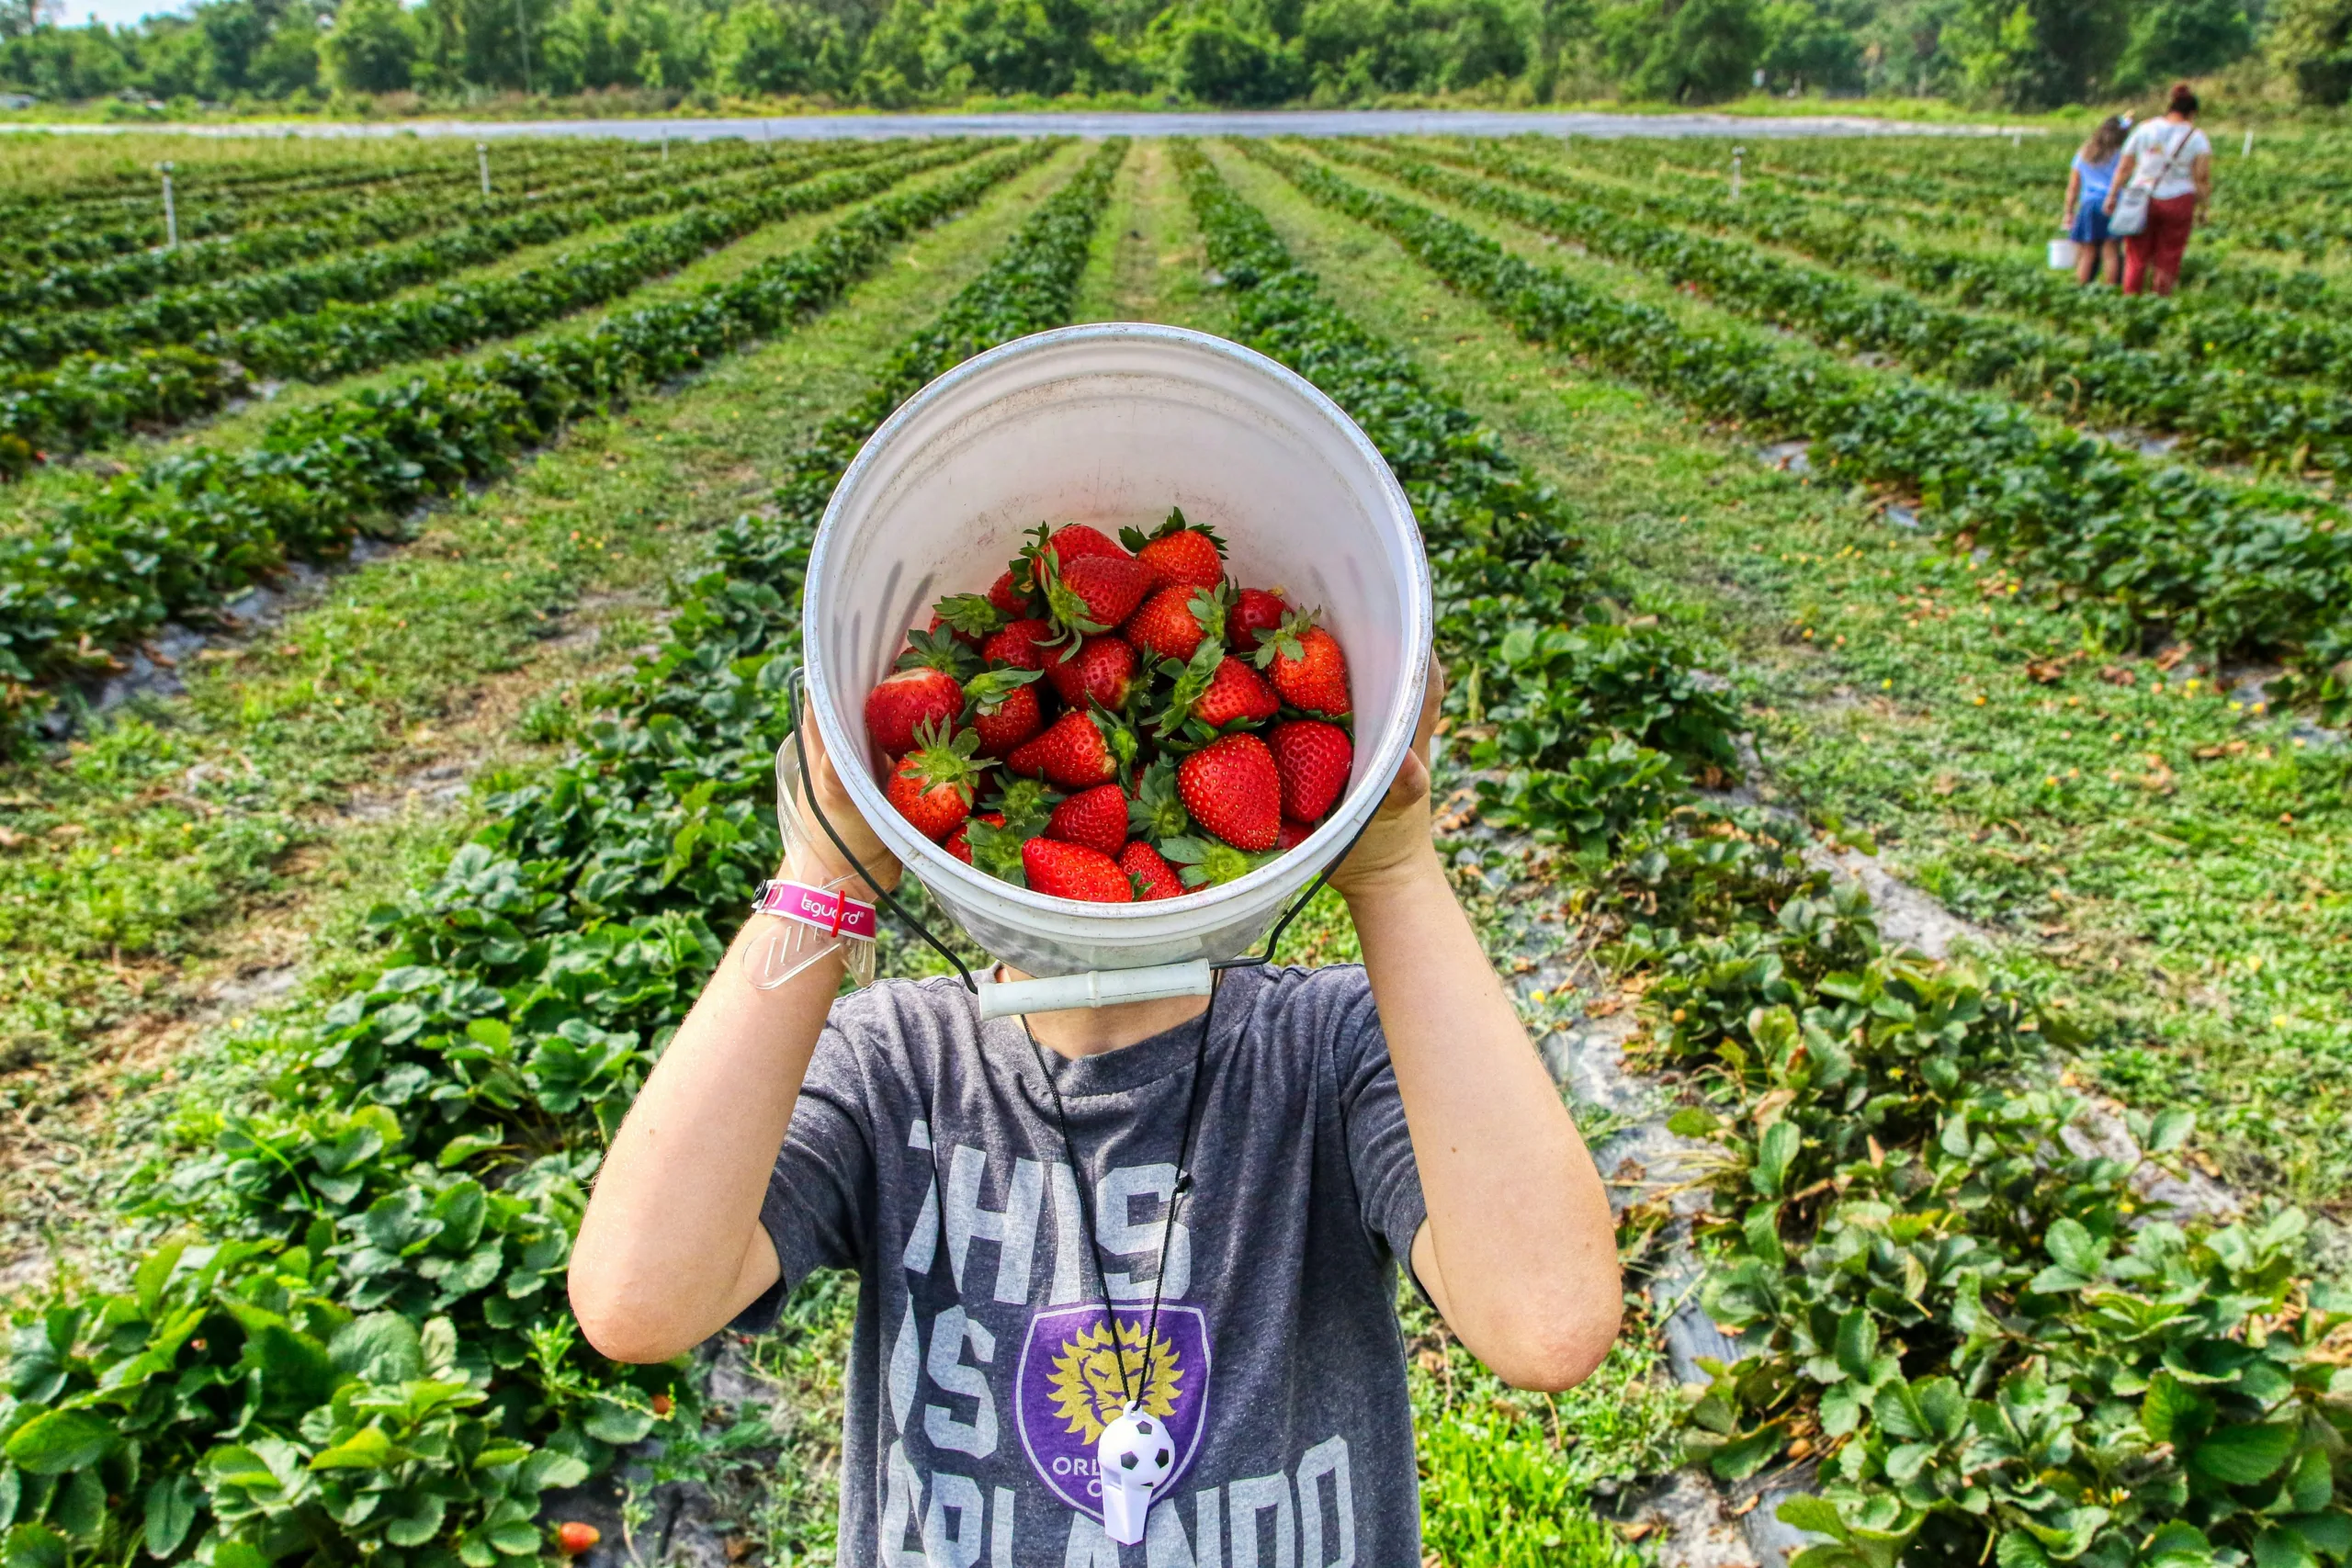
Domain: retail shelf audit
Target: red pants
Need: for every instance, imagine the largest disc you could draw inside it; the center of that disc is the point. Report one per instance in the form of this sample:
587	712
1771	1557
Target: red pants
2158	247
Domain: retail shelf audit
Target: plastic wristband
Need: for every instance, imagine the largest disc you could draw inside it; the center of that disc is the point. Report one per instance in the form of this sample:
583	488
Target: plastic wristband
833	913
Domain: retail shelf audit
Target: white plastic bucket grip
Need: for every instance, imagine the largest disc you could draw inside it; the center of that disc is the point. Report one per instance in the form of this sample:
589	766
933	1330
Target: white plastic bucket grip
1112	424
1095	988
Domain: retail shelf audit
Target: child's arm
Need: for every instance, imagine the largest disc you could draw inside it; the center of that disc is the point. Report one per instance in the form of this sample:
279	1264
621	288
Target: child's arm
671	1246
1519	1251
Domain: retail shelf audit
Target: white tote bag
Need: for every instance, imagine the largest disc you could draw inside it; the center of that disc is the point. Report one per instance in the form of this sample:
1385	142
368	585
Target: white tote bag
2130	214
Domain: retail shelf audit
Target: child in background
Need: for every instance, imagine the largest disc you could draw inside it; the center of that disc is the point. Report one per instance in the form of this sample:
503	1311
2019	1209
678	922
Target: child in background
2083	216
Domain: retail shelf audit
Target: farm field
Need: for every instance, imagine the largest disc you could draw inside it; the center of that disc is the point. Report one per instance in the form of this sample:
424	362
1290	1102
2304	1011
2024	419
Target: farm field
1896	745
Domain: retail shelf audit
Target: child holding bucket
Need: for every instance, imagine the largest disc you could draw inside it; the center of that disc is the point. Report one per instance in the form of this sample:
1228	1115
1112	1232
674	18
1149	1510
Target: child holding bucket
1128	1274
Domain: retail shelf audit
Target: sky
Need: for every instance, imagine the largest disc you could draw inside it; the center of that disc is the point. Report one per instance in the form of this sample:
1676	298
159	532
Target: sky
114	13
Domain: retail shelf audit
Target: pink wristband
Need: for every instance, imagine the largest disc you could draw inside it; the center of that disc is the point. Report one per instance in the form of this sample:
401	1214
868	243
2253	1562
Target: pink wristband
833	913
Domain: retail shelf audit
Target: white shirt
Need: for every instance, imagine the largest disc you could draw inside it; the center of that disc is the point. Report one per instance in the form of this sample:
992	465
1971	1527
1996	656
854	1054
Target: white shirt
2147	143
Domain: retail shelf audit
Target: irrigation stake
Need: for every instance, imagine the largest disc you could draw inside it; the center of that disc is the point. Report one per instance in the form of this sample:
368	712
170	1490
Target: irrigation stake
1736	155
481	156
2247	150
171	212
2017	140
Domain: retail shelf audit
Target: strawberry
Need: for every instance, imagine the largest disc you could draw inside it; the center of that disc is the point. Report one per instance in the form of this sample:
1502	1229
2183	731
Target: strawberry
1081	748
1158	812
1211	692
1096	817
1024	806
970	616
1098	670
1232	789
1007	594
959	842
1179	554
1153	877
1173	621
1204	862
1094	593
1292	835
1065	544
932	786
1024	644
1236	692
995	847
1313	758
1255	612
907	701
1306	666
1005	711
573	1538
1073	870
937	649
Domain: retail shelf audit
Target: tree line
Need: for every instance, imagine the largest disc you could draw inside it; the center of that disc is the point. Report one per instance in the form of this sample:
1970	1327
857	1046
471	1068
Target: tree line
904	53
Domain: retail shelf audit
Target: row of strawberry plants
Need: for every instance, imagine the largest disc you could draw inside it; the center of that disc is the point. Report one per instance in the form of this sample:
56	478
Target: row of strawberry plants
370	1358
176	536
2276	422
169	296
143	226
2132	543
129	182
96	398
2206	329
1975	1331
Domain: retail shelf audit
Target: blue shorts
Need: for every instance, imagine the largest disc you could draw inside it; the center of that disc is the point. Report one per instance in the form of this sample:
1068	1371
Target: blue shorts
2091	221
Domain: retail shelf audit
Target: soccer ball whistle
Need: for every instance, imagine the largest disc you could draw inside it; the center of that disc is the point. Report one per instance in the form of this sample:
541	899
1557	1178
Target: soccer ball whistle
1134	1457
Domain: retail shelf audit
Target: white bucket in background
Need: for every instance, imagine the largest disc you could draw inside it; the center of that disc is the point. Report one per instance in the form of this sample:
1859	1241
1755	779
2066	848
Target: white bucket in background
2064	253
1112	424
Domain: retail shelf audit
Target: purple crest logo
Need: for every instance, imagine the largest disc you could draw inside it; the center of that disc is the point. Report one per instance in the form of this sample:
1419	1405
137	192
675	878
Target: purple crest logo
1070	1386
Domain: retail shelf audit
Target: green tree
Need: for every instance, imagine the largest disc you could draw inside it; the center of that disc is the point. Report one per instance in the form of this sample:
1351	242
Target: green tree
372	47
2311	45
1009	46
889	63
2183	38
1212	56
1357	50
287	61
2038	54
1683	50
777	46
1816	43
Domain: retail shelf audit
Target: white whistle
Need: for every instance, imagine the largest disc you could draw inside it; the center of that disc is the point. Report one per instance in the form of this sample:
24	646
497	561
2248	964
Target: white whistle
1133	1456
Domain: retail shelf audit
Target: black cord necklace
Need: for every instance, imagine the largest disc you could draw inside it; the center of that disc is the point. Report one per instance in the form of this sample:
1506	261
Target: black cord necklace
1134	1391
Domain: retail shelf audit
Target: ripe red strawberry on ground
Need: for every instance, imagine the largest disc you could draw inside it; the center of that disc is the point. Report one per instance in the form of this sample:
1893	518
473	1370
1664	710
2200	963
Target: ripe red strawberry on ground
1074	752
933	786
1073	870
1306	666
1313	758
1099	670
1149	871
907	700
1231	788
1096	817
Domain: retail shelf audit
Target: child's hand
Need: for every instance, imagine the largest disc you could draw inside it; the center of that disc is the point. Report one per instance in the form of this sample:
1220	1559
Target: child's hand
815	859
1396	844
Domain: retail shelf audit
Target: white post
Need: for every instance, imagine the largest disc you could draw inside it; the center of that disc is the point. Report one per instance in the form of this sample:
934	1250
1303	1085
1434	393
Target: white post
2017	140
1736	155
171	213
2247	150
666	144
481	156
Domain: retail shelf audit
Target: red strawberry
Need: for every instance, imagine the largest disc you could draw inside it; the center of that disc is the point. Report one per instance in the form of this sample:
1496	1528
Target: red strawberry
932	786
1313	758
1095	594
1007	594
959	842
1173	621
1078	750
1096	817
1179	554
1066	545
1023	645
1153	876
1292	835
1306	666
907	701
1005	711
1255	612
1236	692
1096	671
573	1538
968	616
1232	789
1073	870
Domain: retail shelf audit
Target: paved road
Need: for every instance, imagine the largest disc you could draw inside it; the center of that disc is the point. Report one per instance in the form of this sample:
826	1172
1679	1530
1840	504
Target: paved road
1271	122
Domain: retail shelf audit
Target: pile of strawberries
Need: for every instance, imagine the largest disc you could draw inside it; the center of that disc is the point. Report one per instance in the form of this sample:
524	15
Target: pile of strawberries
1116	723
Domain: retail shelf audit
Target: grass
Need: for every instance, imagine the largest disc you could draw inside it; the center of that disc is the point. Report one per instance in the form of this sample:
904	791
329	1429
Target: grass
233	827
2173	865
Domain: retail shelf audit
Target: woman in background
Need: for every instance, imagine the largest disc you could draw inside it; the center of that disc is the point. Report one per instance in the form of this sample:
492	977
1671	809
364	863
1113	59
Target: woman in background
2085	216
2176	159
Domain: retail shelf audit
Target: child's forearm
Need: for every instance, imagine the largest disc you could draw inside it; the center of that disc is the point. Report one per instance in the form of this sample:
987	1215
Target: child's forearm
1519	1253
671	1246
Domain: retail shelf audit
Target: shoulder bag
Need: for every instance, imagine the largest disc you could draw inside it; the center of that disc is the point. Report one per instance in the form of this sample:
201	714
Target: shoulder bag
2130	214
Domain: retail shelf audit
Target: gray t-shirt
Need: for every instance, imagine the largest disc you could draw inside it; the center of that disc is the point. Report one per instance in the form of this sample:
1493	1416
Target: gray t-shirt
923	1153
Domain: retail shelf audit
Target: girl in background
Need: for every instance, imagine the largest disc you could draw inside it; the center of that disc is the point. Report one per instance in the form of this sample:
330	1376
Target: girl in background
2083	216
2181	161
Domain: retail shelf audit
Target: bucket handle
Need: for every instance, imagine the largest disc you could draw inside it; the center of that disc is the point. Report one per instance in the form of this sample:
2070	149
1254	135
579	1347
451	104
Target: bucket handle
1087	988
